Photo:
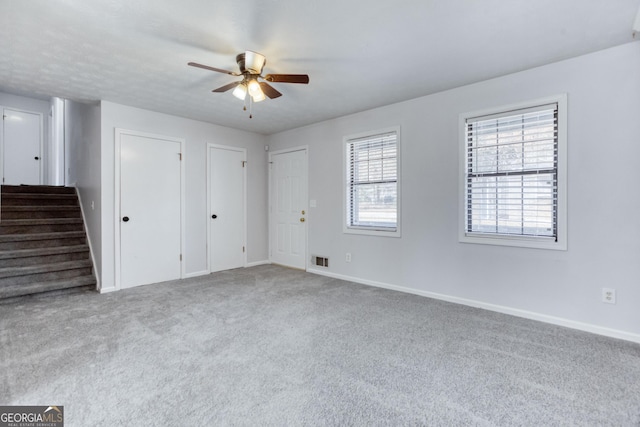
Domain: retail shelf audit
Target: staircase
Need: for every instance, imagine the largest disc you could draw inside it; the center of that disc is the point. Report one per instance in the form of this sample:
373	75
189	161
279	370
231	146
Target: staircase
43	245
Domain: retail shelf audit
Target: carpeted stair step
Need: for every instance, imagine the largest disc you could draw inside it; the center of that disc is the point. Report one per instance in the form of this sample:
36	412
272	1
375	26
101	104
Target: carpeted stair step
28	199
41	189
43	245
46	255
40	240
40	225
35	212
44	273
88	282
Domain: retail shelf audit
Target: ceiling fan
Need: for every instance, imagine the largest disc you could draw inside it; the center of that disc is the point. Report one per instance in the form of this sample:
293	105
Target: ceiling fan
251	64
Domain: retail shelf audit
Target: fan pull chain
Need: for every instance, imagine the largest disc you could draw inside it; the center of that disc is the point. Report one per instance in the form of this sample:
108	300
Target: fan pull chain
250	107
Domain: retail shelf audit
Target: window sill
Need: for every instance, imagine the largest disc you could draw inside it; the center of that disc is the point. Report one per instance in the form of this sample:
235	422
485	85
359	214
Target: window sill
514	241
372	231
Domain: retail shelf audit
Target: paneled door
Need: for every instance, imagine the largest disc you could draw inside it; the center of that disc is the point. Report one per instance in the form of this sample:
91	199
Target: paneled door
288	208
150	209
22	147
226	207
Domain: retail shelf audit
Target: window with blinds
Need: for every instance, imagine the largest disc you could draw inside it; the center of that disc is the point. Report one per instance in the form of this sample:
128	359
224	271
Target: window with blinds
372	182
511	173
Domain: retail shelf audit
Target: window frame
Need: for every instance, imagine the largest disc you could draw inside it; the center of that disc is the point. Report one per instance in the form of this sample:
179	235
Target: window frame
364	229
560	242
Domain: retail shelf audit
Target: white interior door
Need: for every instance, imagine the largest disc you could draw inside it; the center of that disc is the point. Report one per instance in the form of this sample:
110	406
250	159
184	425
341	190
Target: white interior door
226	208
288	201
22	145
150	210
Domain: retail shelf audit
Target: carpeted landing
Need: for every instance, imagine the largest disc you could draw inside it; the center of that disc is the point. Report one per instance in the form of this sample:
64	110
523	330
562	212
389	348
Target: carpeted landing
272	346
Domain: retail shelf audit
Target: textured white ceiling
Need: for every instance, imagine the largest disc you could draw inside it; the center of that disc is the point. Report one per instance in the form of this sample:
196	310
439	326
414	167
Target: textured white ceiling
359	54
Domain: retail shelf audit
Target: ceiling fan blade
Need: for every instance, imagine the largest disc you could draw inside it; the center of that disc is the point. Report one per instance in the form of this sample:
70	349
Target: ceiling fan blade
218	70
287	78
226	87
269	90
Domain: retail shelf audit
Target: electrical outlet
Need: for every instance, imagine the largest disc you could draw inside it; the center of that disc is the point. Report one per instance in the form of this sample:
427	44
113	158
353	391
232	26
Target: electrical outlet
348	257
609	295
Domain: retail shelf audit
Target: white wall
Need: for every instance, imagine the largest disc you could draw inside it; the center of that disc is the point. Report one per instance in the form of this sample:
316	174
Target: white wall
197	135
82	146
563	287
35	106
57	159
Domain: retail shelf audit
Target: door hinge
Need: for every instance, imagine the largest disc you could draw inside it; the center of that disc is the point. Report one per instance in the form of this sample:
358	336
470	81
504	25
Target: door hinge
244	162
180	154
243	249
180	257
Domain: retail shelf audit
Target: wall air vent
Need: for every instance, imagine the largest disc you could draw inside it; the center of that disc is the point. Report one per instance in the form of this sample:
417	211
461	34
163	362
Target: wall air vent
320	261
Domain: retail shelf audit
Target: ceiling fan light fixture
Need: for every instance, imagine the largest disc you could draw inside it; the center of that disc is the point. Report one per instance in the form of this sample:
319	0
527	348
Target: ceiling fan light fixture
255	91
258	97
251	65
254	87
254	62
240	91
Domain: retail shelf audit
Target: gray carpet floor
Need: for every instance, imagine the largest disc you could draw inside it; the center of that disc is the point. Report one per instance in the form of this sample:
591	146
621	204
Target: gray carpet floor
273	346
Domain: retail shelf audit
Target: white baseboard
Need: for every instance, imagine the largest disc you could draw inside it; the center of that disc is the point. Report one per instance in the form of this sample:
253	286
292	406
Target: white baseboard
256	263
205	272
107	290
586	327
196	274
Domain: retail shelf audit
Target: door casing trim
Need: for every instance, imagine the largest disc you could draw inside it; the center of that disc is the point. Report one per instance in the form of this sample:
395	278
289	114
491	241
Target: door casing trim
42	159
244	200
304	148
117	183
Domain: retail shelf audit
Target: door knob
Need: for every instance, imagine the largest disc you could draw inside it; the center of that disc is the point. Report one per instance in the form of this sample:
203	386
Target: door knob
301	219
214	216
37	158
125	219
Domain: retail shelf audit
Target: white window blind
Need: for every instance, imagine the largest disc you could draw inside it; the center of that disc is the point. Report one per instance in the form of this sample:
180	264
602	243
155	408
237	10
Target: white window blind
372	182
512	173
